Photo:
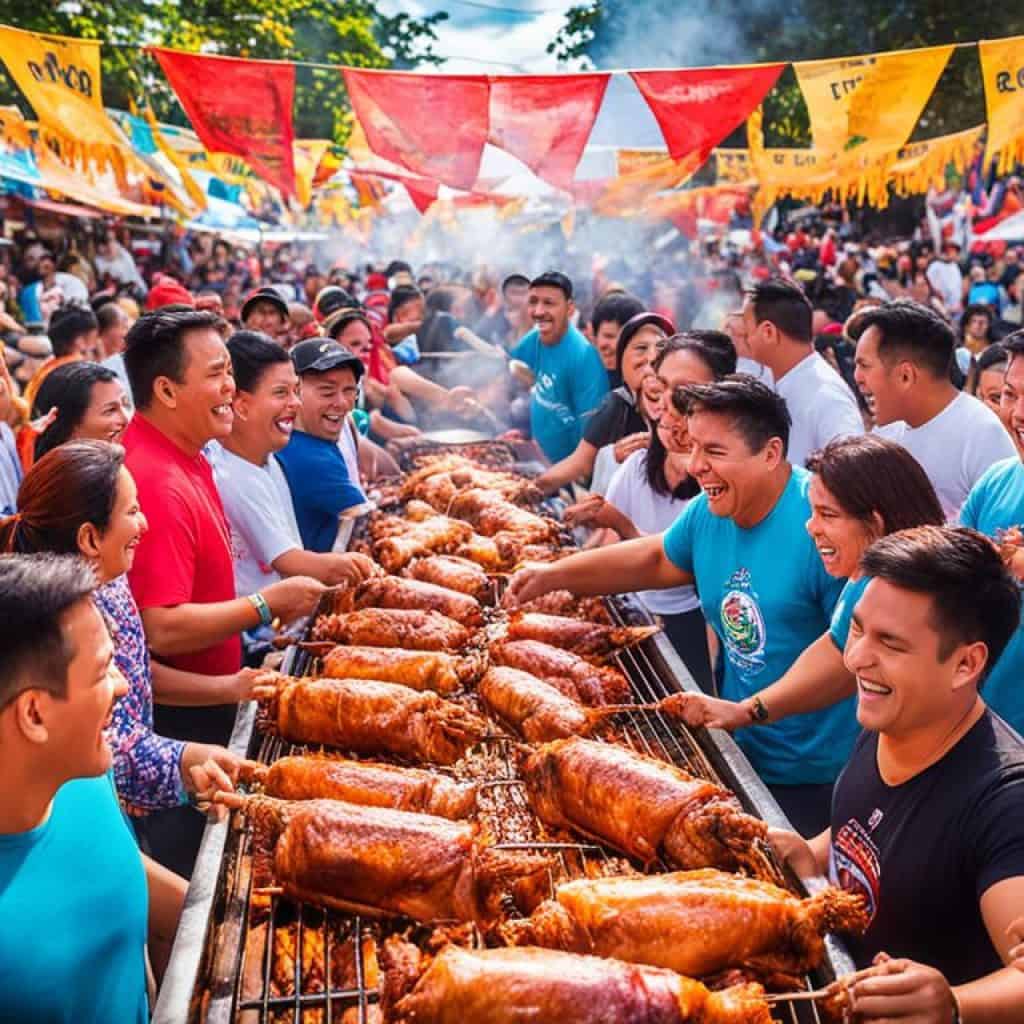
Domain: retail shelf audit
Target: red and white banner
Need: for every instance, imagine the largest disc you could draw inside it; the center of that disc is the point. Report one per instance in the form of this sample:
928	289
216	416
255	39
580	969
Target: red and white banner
241	107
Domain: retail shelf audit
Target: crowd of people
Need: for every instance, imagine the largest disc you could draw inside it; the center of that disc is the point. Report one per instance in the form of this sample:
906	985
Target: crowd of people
804	456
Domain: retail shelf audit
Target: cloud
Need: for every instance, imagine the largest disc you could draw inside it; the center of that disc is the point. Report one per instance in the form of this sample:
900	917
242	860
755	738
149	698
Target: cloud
510	38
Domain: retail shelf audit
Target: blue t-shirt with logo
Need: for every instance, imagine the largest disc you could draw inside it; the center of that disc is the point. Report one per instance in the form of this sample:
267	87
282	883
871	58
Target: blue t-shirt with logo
767	597
73	914
571	382
995	503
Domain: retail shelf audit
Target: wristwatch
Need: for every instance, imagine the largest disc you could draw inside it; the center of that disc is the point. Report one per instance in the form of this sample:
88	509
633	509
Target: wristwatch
757	711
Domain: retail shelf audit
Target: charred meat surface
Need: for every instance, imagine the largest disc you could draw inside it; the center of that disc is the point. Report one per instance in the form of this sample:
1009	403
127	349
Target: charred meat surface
644	807
422	670
587	639
513	986
368	717
396	592
319	776
455	573
532	708
592	685
695	922
408	628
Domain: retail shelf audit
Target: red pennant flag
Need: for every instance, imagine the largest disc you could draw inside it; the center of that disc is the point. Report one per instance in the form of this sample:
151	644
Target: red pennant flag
545	121
421	198
698	107
434	125
241	107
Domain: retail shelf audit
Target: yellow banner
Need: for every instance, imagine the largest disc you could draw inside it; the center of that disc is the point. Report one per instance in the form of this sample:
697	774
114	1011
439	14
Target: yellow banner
920	165
642	175
307	154
1002	70
60	78
191	186
732	166
878	97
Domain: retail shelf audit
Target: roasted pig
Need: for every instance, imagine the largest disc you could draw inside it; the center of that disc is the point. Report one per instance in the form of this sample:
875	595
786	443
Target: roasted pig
489	514
505	551
641	806
437	535
531	707
422	670
562	602
396	592
592	685
368	717
694	922
320	777
516	986
587	639
408	628
455	573
382	862
439	480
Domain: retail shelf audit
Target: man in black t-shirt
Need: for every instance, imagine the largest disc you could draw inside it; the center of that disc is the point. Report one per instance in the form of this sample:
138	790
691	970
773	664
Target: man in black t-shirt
928	815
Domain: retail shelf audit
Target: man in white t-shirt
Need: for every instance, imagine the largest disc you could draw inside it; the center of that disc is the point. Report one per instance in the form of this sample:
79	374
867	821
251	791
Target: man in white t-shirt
904	355
945	276
265	539
777	319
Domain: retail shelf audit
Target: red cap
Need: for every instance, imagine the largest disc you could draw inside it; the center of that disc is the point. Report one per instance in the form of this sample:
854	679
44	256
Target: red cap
168	292
376	282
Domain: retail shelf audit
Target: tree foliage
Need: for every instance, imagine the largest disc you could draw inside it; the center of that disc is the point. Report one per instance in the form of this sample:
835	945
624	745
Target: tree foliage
639	33
327	32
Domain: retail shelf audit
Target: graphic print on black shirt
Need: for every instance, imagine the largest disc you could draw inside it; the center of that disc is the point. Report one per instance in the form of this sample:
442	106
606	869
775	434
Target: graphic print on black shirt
924	852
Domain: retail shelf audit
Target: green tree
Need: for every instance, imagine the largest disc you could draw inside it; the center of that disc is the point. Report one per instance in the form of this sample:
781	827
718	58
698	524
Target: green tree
327	32
658	33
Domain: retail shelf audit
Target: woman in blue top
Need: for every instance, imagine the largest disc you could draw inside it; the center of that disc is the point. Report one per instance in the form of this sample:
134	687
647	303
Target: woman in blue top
863	488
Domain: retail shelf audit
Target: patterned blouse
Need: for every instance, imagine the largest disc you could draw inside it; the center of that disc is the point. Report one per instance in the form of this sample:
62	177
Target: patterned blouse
146	766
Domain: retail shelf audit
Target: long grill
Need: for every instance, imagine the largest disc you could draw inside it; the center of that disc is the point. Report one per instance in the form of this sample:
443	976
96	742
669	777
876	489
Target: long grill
241	956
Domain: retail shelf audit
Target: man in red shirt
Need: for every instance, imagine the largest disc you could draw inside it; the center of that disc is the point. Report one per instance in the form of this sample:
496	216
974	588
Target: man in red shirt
183	577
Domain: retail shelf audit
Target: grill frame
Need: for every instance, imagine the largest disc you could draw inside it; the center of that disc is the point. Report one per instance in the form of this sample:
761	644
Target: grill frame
197	987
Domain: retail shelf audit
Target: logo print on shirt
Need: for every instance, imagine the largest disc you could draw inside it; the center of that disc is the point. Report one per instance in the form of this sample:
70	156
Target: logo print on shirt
853	864
743	630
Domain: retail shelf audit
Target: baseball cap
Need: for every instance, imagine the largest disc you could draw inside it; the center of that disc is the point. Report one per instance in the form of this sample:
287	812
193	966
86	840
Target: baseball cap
633	324
330	299
318	355
265	294
168	292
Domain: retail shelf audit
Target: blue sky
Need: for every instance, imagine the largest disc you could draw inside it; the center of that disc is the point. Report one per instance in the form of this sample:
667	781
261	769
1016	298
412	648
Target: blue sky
496	36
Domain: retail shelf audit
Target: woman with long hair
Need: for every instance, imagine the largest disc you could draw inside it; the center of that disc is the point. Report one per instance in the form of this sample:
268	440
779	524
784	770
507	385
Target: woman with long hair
89	404
651	488
80	499
863	488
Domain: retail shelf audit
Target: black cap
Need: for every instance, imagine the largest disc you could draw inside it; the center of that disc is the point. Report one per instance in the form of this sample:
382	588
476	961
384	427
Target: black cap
318	355
515	279
265	294
332	298
553	279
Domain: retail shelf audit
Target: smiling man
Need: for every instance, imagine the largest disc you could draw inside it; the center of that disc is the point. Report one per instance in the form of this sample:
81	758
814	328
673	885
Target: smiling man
316	470
183	578
570	378
265	539
71	875
928	817
760	579
904	356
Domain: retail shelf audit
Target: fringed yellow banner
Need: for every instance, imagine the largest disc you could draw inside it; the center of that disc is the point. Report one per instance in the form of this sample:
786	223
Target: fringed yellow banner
877	97
60	78
1002	70
642	175
923	164
191	186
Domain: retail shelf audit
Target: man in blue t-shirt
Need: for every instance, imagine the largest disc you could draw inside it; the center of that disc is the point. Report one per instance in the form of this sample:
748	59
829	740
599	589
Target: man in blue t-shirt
760	579
570	379
75	894
994	506
313	464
